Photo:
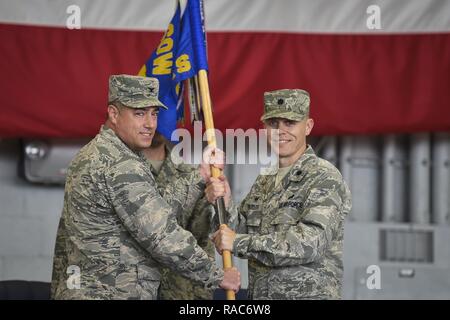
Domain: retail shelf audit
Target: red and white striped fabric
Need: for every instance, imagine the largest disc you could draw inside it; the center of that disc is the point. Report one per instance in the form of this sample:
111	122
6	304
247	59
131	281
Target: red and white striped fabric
53	80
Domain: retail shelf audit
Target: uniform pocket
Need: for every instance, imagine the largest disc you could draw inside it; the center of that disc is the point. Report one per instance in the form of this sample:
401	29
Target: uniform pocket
254	220
148	281
285	218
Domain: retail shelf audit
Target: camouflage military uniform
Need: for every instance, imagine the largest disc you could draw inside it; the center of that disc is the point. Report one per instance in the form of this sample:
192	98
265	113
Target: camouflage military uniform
118	228
196	220
292	232
115	226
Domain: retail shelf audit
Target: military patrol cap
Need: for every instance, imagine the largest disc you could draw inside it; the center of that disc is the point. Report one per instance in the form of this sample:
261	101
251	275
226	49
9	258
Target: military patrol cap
134	91
292	104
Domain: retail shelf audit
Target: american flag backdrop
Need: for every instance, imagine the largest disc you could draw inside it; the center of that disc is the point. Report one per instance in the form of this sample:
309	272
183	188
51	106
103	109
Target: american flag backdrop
367	70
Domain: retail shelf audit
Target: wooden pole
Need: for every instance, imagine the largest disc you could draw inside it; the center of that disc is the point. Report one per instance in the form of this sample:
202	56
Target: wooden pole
211	138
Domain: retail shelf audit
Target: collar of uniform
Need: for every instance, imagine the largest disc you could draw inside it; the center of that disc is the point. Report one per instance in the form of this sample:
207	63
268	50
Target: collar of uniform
296	173
270	171
110	135
307	157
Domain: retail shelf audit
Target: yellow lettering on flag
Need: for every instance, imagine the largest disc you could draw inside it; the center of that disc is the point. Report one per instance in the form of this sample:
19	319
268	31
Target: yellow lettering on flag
163	64
183	64
165	46
166	43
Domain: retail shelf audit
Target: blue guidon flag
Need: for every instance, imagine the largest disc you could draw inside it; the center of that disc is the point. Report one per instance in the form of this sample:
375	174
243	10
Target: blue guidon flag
180	55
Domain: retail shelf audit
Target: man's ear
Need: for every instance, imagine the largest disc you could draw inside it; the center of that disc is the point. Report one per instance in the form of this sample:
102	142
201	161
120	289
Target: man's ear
309	126
113	113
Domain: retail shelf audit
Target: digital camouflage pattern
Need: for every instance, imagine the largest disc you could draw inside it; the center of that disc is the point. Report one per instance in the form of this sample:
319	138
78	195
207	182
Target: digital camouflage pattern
292	104
197	220
292	233
134	91
118	229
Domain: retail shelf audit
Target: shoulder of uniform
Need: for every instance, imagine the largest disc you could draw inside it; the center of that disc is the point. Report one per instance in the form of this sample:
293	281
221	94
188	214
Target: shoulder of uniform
88	153
327	166
323	168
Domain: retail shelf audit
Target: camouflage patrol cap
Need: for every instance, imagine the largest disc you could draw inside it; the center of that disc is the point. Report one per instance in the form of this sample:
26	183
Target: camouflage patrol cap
134	91
292	104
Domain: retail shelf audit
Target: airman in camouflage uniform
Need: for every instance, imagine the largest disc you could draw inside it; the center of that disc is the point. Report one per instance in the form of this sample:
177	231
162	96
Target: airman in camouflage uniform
196	220
290	225
115	226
